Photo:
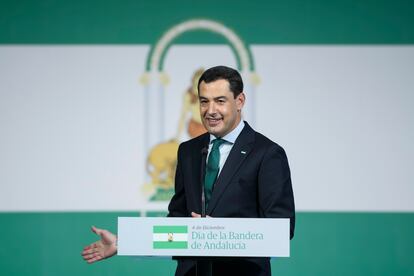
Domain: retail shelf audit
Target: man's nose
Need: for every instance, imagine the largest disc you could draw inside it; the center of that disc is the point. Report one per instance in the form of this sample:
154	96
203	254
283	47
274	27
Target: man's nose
211	108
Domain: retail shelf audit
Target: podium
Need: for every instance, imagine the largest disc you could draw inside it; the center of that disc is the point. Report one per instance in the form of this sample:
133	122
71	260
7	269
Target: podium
204	237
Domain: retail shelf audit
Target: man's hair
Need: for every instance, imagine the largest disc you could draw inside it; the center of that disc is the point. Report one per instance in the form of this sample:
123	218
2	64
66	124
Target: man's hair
223	73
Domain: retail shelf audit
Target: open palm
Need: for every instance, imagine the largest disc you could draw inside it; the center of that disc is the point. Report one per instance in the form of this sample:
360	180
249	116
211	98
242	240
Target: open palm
104	248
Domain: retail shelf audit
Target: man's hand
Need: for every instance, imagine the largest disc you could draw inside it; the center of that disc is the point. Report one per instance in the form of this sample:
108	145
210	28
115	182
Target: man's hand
195	215
104	248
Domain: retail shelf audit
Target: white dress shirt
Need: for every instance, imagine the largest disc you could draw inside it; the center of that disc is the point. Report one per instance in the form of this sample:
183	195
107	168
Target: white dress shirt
226	147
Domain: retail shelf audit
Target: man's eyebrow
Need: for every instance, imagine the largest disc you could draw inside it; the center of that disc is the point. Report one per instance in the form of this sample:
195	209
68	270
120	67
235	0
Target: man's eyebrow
220	98
215	99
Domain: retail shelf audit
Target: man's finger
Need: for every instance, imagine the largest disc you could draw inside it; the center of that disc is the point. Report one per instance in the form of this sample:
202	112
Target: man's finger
195	215
97	231
88	257
91	256
91	261
90	251
95	259
90	247
87	247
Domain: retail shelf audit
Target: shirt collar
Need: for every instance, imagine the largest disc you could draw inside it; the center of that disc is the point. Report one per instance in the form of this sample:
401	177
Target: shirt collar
232	136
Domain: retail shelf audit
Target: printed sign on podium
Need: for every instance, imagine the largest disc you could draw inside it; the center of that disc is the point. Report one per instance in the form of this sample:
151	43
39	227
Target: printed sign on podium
203	237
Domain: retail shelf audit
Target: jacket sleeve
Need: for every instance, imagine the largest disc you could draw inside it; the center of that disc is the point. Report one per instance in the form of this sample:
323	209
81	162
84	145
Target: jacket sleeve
178	205
275	187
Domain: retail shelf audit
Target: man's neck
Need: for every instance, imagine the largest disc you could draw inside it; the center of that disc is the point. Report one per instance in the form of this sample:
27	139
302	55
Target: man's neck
232	135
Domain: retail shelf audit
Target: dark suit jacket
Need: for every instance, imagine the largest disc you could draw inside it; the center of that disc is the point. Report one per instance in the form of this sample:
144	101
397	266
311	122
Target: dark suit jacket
254	183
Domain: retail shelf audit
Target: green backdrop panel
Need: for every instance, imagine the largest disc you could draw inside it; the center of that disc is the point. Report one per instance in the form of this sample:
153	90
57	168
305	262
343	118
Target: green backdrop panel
324	244
257	22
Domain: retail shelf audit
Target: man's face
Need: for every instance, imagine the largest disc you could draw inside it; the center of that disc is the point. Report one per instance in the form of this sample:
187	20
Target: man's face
219	110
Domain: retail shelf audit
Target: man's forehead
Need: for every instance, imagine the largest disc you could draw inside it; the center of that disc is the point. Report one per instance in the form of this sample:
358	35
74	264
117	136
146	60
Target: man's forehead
218	88
215	95
216	83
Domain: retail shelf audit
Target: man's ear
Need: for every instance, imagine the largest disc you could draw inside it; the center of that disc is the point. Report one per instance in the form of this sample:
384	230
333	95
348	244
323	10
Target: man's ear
240	100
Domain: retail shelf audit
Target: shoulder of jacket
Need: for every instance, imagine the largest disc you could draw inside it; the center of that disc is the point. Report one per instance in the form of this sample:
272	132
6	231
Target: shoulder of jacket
265	141
198	141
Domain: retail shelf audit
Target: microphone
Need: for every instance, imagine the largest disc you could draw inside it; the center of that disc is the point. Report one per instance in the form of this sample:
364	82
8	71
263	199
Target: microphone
203	267
204	152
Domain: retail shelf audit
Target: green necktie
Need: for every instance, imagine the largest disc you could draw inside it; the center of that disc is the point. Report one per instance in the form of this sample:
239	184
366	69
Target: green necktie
212	169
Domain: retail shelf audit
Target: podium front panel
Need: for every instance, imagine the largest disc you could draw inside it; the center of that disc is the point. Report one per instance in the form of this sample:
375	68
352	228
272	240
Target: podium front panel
240	237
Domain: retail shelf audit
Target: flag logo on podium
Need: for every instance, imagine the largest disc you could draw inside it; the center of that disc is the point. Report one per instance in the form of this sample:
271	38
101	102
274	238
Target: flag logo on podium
170	237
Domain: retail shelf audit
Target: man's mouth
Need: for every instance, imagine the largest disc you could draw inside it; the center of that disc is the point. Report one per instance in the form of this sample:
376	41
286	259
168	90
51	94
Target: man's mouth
213	121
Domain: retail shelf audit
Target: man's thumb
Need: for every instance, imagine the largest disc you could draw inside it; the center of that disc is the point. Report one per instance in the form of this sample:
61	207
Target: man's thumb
96	230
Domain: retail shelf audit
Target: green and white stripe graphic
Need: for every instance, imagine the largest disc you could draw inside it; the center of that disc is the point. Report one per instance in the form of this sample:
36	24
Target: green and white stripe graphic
170	237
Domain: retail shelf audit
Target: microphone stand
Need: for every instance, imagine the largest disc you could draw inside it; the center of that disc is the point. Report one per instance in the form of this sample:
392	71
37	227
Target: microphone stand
204	153
204	267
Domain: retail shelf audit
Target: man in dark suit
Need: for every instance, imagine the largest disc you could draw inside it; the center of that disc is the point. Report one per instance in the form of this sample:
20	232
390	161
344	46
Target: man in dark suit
253	179
245	175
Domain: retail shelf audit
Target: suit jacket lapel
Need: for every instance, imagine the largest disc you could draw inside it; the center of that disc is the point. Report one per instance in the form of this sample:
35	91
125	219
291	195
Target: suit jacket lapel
238	154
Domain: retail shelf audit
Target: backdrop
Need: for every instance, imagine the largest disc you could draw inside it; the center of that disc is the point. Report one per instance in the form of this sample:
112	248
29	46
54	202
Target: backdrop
95	97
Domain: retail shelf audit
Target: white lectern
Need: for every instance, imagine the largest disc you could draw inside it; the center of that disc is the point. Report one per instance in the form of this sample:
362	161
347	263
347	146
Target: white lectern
218	237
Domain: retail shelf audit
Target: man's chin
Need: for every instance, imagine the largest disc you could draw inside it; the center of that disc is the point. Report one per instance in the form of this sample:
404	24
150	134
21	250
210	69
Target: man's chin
215	131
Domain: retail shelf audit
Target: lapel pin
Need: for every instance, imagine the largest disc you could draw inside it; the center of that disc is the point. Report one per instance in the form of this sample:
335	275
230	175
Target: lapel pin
243	152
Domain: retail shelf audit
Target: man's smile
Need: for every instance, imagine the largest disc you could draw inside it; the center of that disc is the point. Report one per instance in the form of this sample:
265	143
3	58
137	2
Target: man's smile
213	121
